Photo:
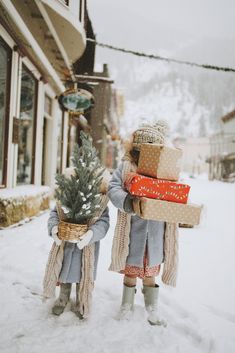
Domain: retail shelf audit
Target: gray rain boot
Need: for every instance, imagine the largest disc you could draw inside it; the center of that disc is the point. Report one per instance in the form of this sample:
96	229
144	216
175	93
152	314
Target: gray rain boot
150	300
76	307
61	302
127	303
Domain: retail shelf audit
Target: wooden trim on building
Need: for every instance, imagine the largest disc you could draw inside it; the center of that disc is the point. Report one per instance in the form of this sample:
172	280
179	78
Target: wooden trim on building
7	112
90	78
68	144
21	50
62	143
80	10
228	116
34	133
34	122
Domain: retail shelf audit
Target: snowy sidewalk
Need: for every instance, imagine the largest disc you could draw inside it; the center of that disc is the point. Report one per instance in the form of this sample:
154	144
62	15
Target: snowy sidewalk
200	312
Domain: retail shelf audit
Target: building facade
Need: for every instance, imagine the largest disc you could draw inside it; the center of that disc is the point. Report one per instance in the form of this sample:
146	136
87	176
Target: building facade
196	151
40	40
222	145
103	120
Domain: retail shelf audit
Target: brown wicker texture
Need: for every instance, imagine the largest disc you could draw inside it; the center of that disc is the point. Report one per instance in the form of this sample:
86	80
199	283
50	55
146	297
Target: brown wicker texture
71	231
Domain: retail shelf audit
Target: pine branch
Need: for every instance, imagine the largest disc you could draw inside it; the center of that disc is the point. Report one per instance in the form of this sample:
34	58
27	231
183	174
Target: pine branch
79	194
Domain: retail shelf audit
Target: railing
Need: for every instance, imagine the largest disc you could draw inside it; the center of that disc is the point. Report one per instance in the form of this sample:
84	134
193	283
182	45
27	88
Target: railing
78	7
222	143
65	2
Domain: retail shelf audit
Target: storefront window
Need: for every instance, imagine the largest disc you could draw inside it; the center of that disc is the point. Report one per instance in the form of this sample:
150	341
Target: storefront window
72	139
26	130
5	65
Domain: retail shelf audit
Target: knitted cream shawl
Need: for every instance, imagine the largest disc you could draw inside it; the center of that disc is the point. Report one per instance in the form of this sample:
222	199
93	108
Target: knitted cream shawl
54	265
121	239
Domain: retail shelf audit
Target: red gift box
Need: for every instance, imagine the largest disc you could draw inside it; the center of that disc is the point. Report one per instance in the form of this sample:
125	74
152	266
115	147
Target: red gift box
139	185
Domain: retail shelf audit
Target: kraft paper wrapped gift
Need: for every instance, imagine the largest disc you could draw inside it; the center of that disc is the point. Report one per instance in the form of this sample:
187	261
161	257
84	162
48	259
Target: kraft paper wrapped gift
159	161
140	185
166	211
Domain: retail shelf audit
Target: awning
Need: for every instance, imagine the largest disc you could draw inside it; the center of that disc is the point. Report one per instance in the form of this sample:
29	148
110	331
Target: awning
229	157
68	28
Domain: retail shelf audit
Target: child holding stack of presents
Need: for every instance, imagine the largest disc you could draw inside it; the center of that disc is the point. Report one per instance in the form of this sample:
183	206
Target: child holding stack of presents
151	204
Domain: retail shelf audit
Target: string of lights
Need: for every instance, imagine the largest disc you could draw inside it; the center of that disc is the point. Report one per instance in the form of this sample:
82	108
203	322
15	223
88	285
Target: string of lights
158	57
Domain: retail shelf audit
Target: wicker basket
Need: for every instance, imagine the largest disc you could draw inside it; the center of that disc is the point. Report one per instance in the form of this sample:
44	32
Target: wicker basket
71	231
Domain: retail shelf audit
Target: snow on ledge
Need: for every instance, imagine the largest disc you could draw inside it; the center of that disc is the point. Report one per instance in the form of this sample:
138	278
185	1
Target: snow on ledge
24	191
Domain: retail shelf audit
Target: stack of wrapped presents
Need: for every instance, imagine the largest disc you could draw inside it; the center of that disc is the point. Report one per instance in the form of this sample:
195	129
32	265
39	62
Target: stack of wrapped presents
159	195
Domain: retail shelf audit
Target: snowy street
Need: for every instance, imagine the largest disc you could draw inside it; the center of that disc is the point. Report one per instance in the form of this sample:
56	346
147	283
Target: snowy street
200	312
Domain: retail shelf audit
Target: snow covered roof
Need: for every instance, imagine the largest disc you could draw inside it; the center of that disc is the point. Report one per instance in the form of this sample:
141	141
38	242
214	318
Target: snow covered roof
23	191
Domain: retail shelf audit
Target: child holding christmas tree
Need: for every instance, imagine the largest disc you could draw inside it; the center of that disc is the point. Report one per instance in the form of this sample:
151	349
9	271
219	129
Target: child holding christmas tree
82	200
141	246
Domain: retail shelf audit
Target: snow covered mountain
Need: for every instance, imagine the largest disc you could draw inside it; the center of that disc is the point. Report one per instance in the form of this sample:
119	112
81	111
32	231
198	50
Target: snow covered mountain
191	99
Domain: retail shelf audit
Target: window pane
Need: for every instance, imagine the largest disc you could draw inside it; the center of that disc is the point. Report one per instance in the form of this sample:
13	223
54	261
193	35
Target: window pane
48	105
66	2
26	130
72	140
5	58
59	142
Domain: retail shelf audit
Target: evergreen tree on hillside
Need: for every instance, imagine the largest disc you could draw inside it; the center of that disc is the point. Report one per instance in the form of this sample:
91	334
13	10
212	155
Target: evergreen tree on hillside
79	194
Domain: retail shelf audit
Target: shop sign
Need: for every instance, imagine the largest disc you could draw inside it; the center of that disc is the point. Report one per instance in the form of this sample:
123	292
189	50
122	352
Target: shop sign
76	100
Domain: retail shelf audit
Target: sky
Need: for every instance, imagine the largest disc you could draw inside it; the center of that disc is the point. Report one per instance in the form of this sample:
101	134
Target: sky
199	31
167	25
214	18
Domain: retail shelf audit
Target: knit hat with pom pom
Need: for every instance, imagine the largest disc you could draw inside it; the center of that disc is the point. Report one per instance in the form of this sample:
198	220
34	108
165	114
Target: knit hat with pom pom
150	133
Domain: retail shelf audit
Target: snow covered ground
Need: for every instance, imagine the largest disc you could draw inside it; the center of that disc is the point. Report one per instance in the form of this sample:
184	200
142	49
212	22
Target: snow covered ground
200	312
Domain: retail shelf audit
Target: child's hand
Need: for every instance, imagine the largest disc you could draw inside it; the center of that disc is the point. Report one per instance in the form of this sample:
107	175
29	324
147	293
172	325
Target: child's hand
128	204
74	241
84	239
54	233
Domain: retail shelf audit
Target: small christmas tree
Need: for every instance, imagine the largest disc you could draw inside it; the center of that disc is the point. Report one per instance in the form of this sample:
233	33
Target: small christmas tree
79	194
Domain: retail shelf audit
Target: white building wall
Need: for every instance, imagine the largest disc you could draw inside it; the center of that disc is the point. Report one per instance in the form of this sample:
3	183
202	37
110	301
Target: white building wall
74	6
52	144
229	126
14	107
65	141
39	134
195	153
15	91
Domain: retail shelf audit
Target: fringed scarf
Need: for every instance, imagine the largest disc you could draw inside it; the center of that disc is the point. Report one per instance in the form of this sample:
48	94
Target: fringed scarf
122	232
54	265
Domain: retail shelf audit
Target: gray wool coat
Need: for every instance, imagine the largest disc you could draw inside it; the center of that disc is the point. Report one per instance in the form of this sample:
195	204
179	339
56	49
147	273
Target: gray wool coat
143	233
72	261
